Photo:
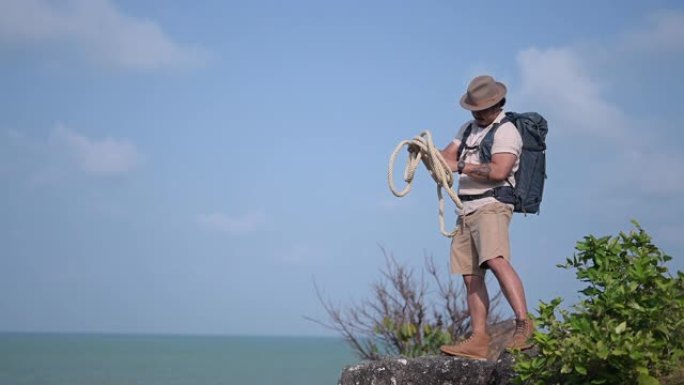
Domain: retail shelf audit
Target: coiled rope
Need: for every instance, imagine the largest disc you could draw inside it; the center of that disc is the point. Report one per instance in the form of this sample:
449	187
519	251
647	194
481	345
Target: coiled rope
437	167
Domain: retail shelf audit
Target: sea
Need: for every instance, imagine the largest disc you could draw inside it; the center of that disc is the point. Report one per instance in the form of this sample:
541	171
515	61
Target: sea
94	359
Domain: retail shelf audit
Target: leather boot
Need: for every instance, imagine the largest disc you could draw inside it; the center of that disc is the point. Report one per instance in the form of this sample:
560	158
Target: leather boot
521	340
476	347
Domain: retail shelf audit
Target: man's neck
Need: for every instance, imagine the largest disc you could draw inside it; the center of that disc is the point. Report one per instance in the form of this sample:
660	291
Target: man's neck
498	113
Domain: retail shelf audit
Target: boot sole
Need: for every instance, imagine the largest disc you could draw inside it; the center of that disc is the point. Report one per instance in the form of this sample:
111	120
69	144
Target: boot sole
472	357
526	347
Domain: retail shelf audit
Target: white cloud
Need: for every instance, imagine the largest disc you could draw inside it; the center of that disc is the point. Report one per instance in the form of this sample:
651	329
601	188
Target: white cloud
98	29
232	225
556	80
559	83
99	157
618	161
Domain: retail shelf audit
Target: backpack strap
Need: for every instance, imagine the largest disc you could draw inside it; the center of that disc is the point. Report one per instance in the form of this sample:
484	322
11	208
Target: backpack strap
485	146
488	142
465	136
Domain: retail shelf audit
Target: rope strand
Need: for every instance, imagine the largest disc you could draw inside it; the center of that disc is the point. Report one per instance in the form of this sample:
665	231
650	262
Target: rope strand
435	164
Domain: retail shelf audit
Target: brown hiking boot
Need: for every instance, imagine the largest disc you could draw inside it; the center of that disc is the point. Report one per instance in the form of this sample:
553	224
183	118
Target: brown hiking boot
476	347
521	340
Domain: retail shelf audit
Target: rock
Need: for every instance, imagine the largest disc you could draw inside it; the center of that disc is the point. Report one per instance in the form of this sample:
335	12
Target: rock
430	370
441	370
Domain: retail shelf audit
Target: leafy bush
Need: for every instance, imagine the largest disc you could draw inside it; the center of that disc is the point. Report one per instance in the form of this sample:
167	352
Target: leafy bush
405	315
628	327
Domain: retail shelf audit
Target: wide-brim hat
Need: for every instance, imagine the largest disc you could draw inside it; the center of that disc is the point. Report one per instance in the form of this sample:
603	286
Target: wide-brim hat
483	92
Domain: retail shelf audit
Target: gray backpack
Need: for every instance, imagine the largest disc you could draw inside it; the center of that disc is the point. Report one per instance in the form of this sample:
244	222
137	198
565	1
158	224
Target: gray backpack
529	179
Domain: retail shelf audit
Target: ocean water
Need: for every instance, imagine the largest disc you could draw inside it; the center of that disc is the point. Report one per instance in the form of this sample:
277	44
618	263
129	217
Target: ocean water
68	359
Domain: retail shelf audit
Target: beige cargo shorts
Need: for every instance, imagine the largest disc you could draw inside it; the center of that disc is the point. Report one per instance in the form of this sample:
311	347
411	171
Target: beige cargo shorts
481	236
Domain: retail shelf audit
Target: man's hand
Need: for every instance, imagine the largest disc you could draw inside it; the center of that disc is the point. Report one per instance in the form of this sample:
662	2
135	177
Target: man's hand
497	170
412	147
450	154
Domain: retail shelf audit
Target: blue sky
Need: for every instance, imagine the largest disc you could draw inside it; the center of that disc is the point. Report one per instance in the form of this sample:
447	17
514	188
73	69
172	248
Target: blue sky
171	168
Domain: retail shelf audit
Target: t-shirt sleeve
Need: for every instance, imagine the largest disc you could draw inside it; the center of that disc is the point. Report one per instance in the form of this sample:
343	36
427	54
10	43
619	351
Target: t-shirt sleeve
507	139
459	135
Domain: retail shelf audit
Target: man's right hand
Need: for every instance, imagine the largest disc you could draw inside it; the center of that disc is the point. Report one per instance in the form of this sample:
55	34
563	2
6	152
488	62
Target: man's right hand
450	154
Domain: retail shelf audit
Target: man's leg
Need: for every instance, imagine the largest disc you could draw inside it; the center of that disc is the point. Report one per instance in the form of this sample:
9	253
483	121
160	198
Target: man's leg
510	284
465	261
477	345
512	288
478	302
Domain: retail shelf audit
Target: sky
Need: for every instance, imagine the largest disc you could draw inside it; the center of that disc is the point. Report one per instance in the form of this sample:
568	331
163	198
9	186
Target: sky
168	167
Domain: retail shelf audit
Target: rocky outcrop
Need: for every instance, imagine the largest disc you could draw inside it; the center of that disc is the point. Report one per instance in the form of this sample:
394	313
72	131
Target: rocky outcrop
440	370
430	370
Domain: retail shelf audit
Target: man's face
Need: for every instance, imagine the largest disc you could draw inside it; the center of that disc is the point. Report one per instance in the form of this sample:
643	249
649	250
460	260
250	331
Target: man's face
484	118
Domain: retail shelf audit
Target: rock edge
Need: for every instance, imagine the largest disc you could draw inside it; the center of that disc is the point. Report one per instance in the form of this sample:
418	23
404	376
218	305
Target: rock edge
430	370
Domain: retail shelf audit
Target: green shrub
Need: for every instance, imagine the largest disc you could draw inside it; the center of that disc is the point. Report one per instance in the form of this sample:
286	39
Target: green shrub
628	327
412	341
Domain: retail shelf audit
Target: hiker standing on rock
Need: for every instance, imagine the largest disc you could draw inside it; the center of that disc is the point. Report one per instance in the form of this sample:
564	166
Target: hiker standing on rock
486	188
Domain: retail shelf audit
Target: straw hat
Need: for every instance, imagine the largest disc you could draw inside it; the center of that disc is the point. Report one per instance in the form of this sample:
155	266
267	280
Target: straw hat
483	92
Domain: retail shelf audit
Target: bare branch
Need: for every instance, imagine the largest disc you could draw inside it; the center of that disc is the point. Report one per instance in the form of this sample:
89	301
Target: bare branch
405	314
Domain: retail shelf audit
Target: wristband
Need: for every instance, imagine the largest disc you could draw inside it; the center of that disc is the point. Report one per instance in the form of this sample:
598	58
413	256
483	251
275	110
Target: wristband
461	166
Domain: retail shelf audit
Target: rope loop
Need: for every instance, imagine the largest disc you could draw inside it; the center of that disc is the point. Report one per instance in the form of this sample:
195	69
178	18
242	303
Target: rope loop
422	148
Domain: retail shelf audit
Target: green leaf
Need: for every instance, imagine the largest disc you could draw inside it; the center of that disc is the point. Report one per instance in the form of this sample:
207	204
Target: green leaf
646	379
628	325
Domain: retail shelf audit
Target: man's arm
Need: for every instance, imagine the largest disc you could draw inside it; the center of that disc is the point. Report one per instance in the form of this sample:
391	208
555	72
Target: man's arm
497	170
450	154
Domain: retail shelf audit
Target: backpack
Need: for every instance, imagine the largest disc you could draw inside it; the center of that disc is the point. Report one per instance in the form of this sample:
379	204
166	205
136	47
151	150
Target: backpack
529	179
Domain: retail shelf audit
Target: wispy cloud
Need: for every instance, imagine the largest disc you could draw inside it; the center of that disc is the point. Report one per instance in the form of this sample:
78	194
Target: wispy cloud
232	225
41	160
558	80
562	83
619	163
99	157
99	30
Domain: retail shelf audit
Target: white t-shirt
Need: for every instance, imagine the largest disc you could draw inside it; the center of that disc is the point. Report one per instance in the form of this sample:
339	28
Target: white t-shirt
506	139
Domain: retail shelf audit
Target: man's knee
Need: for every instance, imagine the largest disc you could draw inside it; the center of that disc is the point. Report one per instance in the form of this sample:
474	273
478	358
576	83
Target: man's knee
498	263
473	282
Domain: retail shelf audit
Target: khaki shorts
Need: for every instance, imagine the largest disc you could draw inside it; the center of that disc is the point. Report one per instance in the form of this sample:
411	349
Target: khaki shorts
481	236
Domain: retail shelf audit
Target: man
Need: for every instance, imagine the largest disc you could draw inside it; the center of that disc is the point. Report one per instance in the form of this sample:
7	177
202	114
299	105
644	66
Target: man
481	242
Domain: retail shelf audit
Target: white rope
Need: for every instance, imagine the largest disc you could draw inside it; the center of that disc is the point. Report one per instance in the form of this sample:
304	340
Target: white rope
434	162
